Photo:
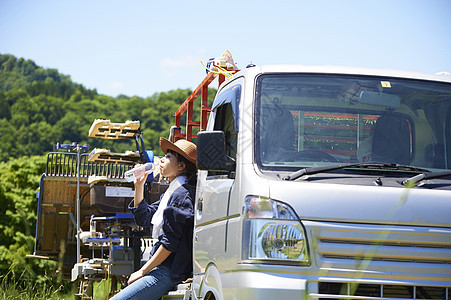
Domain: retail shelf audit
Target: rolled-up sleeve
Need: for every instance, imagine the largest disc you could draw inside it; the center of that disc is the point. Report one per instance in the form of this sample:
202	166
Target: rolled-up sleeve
144	212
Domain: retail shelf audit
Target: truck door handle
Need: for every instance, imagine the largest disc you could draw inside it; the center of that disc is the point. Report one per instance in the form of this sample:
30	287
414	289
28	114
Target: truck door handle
200	205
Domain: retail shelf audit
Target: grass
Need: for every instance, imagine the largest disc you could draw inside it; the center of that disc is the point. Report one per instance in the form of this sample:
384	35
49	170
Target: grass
12	289
16	290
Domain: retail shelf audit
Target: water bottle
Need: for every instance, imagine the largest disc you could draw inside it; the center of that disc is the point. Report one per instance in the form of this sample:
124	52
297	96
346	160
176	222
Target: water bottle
139	171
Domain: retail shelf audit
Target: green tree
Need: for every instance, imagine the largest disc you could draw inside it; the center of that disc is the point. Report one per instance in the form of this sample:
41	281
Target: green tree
19	182
5	111
8	141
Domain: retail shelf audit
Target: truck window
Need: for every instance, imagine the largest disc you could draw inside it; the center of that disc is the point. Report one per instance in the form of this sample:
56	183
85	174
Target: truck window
225	121
305	120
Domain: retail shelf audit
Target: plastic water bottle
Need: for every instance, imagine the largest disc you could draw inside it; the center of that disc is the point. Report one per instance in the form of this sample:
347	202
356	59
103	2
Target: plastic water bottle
139	171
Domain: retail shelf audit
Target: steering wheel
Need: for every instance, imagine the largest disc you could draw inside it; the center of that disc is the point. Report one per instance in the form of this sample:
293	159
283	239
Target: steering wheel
309	155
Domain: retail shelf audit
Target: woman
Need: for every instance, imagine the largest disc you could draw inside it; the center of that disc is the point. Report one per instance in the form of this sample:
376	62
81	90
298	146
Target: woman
172	218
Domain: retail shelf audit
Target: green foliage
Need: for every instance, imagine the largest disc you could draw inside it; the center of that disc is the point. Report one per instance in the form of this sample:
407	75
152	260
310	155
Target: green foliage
40	107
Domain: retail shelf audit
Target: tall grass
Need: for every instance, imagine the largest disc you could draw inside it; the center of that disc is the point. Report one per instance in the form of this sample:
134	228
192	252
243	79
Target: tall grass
21	288
12	289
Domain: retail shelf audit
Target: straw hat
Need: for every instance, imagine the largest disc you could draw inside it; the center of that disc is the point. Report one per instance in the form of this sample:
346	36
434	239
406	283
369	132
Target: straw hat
183	147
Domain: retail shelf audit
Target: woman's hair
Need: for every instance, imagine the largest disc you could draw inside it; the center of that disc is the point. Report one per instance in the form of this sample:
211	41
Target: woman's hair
190	169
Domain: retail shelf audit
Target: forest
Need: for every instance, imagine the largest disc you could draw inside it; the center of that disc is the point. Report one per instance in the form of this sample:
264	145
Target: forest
38	108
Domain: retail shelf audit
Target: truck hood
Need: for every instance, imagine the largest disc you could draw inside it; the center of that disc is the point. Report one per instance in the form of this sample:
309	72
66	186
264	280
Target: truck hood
365	204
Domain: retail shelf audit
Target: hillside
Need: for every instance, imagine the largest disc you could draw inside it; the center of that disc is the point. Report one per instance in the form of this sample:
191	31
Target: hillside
40	107
20	73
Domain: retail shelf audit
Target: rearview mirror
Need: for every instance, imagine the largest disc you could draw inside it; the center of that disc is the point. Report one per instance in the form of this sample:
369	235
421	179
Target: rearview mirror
380	99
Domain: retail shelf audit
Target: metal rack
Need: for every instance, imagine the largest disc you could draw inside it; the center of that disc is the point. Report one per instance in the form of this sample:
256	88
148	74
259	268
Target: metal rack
187	106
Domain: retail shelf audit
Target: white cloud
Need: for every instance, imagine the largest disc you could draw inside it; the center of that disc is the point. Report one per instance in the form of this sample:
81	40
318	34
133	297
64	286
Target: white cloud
179	62
117	85
174	67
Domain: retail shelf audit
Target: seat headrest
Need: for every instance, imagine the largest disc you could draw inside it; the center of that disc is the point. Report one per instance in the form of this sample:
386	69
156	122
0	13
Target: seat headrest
392	140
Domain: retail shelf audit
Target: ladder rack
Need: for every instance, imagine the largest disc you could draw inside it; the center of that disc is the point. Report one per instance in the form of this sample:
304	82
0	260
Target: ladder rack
187	106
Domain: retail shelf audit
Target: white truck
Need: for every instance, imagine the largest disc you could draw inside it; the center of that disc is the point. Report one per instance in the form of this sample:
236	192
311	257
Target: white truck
324	183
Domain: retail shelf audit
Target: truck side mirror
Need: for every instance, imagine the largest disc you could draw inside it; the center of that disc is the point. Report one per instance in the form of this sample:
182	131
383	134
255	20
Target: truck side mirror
211	152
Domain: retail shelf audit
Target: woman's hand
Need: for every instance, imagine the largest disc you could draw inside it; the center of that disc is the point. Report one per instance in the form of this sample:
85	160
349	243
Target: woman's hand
142	180
139	188
135	276
160	255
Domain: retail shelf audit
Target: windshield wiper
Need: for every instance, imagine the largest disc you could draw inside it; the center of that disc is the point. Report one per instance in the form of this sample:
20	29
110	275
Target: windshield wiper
413	181
372	165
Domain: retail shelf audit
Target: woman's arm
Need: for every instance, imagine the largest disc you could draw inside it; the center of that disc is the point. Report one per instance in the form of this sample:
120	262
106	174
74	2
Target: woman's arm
142	212
160	255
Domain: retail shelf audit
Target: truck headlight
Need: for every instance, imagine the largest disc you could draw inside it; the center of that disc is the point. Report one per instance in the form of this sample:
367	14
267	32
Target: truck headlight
272	232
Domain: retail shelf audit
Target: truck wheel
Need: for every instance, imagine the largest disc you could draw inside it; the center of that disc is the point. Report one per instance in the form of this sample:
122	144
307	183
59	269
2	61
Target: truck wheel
210	296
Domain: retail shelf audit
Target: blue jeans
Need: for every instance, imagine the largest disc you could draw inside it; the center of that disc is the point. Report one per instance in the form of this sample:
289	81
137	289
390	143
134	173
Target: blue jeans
153	285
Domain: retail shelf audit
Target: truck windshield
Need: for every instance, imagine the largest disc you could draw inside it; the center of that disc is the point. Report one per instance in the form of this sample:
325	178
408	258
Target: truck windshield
307	120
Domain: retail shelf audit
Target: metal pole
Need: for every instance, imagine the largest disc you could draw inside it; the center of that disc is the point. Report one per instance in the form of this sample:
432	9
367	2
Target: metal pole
78	203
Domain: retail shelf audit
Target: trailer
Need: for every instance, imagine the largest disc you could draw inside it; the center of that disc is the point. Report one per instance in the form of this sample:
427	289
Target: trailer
82	217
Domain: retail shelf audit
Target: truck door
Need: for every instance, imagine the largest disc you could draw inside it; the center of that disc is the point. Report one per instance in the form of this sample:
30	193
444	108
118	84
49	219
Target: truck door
214	191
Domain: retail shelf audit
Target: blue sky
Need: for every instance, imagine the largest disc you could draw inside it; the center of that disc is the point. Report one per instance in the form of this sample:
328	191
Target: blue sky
139	47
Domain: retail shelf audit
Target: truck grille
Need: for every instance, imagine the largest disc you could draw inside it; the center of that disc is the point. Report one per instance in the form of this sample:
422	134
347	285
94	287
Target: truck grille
346	290
342	245
363	261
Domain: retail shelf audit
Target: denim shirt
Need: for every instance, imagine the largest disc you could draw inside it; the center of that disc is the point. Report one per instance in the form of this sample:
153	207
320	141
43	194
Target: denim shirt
177	236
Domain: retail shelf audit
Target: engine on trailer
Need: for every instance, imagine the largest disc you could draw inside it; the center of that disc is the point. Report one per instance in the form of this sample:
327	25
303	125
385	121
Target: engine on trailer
116	245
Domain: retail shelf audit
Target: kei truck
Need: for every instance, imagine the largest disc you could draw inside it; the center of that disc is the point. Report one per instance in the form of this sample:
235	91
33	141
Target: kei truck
325	183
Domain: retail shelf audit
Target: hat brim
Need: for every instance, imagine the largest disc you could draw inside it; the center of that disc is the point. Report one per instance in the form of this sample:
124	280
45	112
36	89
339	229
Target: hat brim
166	145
